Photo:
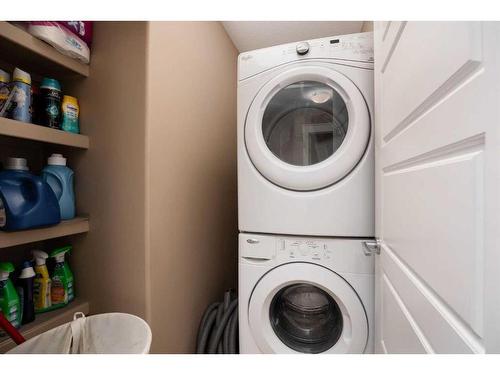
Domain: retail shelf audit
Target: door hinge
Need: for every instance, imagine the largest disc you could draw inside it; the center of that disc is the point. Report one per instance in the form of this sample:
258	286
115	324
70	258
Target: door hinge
371	247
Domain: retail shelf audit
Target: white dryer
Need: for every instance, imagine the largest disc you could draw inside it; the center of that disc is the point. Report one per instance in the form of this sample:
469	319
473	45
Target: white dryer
305	149
305	295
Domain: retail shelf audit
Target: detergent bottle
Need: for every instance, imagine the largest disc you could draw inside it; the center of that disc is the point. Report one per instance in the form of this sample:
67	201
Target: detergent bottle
21	84
10	304
62	278
42	283
60	179
26	201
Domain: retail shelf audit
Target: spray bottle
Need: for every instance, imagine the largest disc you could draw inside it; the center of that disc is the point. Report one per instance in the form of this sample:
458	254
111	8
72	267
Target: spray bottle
24	288
62	278
10	304
42	283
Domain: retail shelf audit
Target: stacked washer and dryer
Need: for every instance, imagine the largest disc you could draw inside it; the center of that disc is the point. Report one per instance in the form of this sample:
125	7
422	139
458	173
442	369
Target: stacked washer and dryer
306	197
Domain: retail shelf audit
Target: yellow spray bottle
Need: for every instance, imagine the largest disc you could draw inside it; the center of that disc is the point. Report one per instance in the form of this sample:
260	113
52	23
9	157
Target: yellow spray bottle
42	283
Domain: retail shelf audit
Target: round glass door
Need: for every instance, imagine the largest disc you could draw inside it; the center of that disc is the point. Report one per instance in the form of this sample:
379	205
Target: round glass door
307	128
305	123
306	318
320	313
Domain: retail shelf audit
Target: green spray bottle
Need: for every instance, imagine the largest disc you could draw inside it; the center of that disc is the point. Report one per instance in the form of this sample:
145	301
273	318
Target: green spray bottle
62	278
10	304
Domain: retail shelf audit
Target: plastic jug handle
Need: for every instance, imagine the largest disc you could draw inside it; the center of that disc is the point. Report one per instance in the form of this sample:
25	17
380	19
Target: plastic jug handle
32	194
59	180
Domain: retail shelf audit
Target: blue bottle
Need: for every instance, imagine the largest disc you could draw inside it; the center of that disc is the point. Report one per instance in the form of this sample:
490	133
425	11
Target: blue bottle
26	201
60	179
21	83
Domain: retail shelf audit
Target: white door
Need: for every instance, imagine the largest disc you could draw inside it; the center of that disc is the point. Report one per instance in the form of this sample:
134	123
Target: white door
437	129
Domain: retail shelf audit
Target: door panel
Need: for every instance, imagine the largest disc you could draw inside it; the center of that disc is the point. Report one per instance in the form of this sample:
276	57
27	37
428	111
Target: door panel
437	181
438	327
427	61
399	335
428	240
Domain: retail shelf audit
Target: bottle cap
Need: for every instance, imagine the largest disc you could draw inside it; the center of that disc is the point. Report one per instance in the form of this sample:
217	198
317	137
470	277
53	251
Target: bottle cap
4	76
58	253
17	164
5	269
50	83
39	256
21	76
56	159
70	99
27	271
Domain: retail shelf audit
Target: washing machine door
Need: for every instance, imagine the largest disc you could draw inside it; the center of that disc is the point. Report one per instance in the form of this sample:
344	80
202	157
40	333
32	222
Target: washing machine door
306	308
307	128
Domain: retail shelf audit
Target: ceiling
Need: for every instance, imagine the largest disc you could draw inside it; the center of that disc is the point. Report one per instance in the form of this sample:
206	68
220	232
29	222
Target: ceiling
250	35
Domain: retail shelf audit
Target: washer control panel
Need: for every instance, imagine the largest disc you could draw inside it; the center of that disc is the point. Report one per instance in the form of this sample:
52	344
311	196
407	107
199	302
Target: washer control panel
337	254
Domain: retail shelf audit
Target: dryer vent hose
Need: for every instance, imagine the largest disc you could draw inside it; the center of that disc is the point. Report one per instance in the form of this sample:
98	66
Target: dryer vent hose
218	332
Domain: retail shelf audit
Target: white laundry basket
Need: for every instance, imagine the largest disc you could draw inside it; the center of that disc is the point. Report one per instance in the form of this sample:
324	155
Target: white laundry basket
112	333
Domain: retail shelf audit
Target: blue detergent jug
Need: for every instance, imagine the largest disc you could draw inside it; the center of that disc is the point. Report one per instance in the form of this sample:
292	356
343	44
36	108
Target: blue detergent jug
60	179
26	201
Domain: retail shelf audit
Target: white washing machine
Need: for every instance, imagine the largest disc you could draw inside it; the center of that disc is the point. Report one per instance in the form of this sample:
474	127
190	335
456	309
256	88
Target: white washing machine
305	295
305	149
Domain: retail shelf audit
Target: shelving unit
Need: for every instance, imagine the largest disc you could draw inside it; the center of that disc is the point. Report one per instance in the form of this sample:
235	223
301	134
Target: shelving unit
47	321
25	50
17	129
35	142
65	228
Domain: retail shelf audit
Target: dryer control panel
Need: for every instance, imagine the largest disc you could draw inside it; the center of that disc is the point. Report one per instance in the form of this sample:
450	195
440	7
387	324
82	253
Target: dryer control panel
352	47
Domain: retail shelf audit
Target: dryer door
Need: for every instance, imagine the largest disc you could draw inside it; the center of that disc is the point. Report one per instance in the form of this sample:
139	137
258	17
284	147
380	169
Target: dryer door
306	308
307	128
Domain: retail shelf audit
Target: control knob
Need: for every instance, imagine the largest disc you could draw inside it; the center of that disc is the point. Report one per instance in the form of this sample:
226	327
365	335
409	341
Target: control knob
302	48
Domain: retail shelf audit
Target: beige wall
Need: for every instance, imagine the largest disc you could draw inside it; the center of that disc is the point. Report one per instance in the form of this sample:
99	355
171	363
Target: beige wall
367	26
159	179
192	196
109	262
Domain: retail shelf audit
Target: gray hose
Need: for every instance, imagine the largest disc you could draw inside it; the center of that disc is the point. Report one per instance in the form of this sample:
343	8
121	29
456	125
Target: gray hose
227	301
233	335
220	312
206	324
218	332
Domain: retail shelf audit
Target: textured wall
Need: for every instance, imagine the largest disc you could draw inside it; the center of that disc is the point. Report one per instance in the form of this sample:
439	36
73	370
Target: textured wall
109	261
191	177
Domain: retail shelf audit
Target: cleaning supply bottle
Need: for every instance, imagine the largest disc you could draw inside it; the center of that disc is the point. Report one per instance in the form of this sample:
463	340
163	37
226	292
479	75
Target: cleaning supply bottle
25	285
4	87
26	201
42	283
62	278
21	84
10	304
60	179
70	111
51	103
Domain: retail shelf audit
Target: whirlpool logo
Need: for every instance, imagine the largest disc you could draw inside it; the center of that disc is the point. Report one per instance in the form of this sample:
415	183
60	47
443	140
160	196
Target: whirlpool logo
246	57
